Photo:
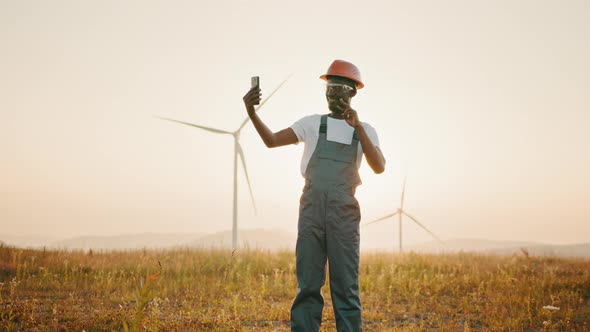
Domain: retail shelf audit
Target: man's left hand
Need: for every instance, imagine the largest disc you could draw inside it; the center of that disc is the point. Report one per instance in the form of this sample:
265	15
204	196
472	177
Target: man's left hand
350	115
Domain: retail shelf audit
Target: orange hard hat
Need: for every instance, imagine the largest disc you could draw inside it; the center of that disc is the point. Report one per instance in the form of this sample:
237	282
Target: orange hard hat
344	69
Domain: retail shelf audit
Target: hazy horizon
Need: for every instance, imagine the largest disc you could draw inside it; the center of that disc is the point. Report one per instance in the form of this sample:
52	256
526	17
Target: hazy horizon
483	106
384	242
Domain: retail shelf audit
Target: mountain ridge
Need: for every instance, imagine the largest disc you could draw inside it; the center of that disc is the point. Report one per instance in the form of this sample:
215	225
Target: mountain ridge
276	239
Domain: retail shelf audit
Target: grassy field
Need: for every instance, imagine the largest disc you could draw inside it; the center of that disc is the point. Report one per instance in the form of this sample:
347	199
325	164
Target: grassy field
213	290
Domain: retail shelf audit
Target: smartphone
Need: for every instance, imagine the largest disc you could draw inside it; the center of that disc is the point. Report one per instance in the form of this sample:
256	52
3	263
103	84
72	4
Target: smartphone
255	82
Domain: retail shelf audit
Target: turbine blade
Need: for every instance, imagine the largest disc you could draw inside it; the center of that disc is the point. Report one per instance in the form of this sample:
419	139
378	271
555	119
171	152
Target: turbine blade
423	227
264	101
380	219
401	206
218	131
241	153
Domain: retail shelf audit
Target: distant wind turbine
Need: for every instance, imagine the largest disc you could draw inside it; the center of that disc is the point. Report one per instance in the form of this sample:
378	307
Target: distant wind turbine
237	151
399	213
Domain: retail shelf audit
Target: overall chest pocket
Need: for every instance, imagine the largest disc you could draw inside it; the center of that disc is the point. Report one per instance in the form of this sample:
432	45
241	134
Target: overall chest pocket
339	152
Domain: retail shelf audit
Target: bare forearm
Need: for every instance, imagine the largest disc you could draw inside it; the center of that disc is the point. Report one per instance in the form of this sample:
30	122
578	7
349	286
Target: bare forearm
265	133
270	139
253	98
373	155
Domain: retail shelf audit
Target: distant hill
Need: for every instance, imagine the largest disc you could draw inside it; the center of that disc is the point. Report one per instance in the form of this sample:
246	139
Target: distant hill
281	240
504	248
27	241
574	250
454	245
128	241
252	239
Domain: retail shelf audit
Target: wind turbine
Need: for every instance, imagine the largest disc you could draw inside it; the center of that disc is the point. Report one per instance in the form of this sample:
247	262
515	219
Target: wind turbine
399	213
238	151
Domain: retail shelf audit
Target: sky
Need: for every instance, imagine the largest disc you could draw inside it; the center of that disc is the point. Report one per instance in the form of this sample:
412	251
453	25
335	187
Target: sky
483	106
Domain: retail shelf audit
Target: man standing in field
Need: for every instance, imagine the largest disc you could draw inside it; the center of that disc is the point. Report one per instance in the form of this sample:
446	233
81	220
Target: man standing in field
329	214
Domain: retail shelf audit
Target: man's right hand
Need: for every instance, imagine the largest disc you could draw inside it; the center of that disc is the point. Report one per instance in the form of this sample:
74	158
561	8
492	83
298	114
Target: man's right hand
252	98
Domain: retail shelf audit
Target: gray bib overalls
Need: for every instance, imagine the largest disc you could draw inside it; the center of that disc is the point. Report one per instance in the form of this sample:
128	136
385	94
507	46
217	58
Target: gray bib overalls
328	228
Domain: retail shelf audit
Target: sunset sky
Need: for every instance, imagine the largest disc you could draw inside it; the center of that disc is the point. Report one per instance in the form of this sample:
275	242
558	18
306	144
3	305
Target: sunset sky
483	105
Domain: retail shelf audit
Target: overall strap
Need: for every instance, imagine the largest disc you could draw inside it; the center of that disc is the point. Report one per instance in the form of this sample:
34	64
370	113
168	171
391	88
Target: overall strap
324	124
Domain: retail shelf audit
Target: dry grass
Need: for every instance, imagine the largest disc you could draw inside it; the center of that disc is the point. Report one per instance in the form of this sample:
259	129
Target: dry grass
213	290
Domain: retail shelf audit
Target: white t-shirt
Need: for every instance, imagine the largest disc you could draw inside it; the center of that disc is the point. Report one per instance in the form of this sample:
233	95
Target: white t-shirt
307	130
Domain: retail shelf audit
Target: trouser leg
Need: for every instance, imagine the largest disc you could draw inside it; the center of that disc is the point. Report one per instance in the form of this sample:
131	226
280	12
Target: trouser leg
306	311
343	238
